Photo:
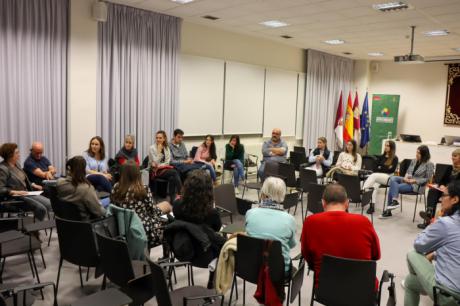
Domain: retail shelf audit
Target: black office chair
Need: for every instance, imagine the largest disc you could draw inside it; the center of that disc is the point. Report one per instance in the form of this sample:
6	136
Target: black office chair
297	159
118	268
76	245
190	295
19	295
369	162
271	169
315	194
352	185
109	297
249	259
307	177
300	150
227	204
291	200
439	290
345	281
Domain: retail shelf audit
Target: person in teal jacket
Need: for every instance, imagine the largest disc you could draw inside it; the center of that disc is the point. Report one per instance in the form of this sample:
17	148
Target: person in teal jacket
234	159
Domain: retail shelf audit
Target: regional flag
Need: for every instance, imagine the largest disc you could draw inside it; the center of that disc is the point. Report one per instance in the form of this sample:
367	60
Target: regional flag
338	125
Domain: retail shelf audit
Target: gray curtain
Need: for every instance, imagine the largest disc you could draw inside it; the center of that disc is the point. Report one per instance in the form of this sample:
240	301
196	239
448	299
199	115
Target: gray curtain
138	76
326	76
33	75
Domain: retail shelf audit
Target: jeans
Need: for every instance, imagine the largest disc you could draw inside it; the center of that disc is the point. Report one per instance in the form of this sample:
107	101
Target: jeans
38	204
421	278
397	186
211	170
100	182
238	170
183	168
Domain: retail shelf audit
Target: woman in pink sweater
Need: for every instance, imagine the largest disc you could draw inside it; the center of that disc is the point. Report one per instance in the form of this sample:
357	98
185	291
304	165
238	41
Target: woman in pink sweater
206	154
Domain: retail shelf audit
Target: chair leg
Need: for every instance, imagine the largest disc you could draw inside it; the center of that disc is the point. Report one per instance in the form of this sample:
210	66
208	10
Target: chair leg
43	258
3	266
31	265
35	267
87	274
415	208
244	292
301	206
51	234
81	277
59	273
104	282
231	290
288	298
400	200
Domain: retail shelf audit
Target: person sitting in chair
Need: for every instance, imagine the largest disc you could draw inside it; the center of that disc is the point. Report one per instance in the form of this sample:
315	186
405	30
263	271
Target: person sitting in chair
439	242
337	233
320	159
37	167
273	150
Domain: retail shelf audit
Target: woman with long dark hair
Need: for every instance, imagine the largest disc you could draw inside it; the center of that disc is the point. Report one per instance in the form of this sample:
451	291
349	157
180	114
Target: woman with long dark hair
97	169
349	161
386	166
439	242
234	159
418	174
159	161
130	193
77	190
206	154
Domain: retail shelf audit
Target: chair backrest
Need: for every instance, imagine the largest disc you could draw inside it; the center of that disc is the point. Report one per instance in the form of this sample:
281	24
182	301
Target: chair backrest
287	171
145	162
440	172
369	163
403	167
307	177
193	151
243	206
224	196
346	282
335	157
115	260
249	259
297	159
352	185
291	200
300	150
315	194
107	226
159	285
62	209
271	168
366	198
76	242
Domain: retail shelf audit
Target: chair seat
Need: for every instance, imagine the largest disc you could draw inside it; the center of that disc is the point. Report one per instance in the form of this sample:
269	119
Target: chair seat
177	296
253	185
109	297
20	246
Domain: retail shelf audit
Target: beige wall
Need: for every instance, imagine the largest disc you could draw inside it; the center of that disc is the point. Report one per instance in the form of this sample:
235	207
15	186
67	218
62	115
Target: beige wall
82	73
423	94
209	42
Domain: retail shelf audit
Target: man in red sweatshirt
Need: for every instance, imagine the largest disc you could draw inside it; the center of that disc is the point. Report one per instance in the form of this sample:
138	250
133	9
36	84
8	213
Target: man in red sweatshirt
337	233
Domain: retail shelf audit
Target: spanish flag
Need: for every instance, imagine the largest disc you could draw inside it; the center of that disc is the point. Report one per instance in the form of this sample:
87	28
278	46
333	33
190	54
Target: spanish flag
348	130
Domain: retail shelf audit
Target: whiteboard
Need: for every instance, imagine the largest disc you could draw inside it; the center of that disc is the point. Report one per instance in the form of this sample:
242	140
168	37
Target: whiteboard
280	102
201	94
300	107
244	98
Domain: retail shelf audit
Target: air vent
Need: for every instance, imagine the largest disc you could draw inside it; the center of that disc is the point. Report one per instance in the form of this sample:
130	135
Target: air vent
391	6
286	36
210	17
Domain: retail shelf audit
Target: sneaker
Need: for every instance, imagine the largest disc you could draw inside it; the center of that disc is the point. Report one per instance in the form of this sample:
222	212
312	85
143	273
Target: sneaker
425	216
237	191
386	214
370	210
422	225
393	205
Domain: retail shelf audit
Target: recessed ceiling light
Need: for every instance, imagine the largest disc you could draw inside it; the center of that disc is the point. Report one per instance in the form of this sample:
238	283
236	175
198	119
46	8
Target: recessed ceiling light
286	36
390	6
274	23
436	33
334	42
375	54
456	49
210	17
182	1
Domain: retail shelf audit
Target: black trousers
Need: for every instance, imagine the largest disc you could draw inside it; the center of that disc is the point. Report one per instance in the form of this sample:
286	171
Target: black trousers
432	200
174	182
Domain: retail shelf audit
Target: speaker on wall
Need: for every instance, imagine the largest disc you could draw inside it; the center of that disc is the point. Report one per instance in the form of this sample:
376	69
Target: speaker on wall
99	11
375	67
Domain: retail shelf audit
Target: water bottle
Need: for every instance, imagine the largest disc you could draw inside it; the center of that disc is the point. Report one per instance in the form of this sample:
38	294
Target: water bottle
389	135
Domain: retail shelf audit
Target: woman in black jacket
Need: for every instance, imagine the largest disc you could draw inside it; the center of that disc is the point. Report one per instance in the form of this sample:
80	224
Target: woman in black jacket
386	166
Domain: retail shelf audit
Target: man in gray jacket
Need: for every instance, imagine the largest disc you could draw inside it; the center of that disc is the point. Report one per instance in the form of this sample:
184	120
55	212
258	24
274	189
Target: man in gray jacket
273	150
180	158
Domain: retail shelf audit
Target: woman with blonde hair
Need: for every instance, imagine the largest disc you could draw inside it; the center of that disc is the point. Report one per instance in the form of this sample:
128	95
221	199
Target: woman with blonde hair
320	158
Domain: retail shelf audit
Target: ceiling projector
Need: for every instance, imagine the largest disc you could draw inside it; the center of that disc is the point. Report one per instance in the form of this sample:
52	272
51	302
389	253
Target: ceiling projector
410	58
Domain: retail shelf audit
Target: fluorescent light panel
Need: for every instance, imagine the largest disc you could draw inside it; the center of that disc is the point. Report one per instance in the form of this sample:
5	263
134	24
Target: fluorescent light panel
436	33
182	1
334	42
390	6
274	23
375	54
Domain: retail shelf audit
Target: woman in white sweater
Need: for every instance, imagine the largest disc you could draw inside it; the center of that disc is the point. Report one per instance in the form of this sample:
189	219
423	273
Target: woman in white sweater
349	162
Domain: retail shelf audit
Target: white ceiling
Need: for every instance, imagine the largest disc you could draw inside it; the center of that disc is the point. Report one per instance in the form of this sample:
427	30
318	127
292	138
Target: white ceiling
313	21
